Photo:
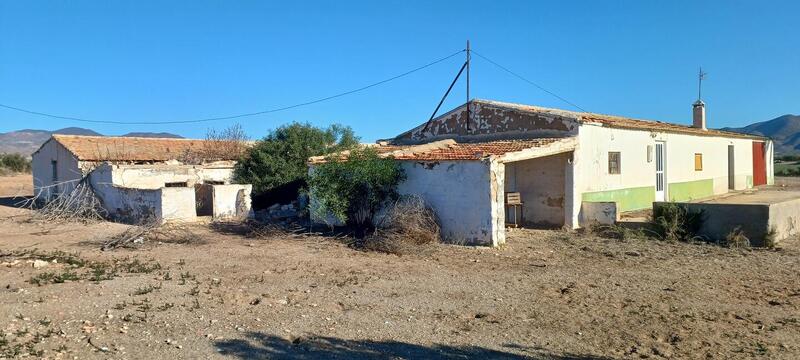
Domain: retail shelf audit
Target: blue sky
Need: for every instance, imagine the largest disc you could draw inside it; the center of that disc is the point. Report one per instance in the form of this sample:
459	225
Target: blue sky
161	61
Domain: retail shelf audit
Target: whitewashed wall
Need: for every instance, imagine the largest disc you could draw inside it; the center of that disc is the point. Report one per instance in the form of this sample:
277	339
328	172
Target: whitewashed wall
464	195
591	162
231	200
155	176
67	168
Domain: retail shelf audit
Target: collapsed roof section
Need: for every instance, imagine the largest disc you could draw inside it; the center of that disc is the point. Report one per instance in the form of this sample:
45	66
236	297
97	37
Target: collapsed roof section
449	150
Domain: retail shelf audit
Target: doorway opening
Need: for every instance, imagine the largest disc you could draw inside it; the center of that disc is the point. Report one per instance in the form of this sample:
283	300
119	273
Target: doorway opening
660	173
731	171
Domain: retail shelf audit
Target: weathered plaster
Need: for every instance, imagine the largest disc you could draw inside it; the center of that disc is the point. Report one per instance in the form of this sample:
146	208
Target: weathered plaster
489	122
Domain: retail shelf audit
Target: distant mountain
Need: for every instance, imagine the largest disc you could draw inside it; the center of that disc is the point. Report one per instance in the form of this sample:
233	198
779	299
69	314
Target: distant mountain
153	135
783	130
27	141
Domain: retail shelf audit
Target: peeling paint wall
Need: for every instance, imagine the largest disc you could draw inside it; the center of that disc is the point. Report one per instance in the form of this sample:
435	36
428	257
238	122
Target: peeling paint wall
463	197
540	182
490	122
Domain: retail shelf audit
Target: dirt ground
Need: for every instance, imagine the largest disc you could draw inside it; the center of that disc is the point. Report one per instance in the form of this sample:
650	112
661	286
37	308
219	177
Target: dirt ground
546	294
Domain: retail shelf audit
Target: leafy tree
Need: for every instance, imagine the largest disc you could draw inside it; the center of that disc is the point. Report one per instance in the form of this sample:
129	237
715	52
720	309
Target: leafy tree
353	190
280	158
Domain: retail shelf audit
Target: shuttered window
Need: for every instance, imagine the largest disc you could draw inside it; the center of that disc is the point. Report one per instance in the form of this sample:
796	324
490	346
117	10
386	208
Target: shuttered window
614	162
698	162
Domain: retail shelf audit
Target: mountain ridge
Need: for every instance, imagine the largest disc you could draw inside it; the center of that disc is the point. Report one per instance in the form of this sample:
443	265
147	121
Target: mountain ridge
784	131
26	141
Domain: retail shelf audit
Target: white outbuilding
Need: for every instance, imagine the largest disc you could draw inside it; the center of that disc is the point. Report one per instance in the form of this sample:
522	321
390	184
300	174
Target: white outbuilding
136	179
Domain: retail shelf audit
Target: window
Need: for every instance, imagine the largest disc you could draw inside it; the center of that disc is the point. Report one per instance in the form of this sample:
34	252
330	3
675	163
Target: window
614	162
54	165
176	184
698	162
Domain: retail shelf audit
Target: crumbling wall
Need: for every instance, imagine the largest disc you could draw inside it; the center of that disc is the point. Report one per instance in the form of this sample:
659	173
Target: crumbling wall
231	200
490	122
157	175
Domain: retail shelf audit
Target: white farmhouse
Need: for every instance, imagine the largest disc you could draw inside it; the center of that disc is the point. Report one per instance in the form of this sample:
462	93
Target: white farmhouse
138	178
563	168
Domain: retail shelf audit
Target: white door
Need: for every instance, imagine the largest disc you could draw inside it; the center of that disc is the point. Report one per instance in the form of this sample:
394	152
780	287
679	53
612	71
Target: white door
660	176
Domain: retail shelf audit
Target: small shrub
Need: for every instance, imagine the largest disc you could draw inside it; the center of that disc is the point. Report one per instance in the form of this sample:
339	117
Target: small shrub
737	239
408	226
353	190
675	223
769	238
14	163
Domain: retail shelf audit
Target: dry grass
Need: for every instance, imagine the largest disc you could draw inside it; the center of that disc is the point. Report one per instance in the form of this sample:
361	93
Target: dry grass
409	226
737	239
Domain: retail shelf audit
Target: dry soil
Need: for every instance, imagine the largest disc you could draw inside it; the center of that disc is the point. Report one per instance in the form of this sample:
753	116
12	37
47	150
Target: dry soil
546	294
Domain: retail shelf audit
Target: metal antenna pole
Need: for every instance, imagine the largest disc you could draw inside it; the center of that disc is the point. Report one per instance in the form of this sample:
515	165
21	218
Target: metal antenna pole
700	77
469	111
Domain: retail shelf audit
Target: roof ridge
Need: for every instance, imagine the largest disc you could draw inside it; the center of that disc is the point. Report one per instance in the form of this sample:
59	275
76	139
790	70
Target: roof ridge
123	137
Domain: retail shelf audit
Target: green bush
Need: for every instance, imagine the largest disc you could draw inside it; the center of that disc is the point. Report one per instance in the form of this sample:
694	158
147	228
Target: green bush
354	189
280	158
676	223
15	163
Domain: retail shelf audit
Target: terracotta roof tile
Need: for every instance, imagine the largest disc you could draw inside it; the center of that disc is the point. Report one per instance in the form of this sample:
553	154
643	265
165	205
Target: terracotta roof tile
471	151
109	148
451	150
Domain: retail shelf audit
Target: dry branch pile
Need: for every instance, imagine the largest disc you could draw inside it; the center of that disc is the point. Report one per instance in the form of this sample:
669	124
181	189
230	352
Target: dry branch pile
152	231
81	204
409	226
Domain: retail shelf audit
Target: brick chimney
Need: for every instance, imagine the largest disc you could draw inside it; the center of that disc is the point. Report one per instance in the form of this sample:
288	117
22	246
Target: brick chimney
699	115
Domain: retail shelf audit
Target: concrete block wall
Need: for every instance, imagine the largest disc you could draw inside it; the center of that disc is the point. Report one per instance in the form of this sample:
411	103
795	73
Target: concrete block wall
758	221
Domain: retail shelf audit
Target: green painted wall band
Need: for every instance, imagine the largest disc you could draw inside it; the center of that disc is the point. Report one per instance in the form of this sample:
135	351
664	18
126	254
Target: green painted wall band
627	199
690	190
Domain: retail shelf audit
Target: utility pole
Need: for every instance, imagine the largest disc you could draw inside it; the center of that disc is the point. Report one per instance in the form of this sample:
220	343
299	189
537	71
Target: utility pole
469	111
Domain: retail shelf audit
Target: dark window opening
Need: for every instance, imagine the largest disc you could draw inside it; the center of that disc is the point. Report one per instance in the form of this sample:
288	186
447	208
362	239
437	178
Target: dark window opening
614	162
213	182
176	184
54	165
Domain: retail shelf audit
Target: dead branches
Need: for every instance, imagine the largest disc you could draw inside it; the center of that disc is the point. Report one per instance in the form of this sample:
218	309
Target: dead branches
228	144
79	203
152	231
409	226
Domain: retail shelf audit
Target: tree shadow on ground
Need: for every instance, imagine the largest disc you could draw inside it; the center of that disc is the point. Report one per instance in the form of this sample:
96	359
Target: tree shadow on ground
264	346
15	201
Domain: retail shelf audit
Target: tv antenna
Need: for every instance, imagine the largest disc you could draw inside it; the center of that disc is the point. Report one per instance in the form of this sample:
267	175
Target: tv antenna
700	77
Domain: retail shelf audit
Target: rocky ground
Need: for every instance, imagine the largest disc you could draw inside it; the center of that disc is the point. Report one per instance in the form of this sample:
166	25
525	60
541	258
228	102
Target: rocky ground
546	294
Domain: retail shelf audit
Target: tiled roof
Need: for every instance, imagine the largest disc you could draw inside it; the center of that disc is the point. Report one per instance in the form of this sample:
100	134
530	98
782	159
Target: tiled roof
109	148
451	150
619	121
469	151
